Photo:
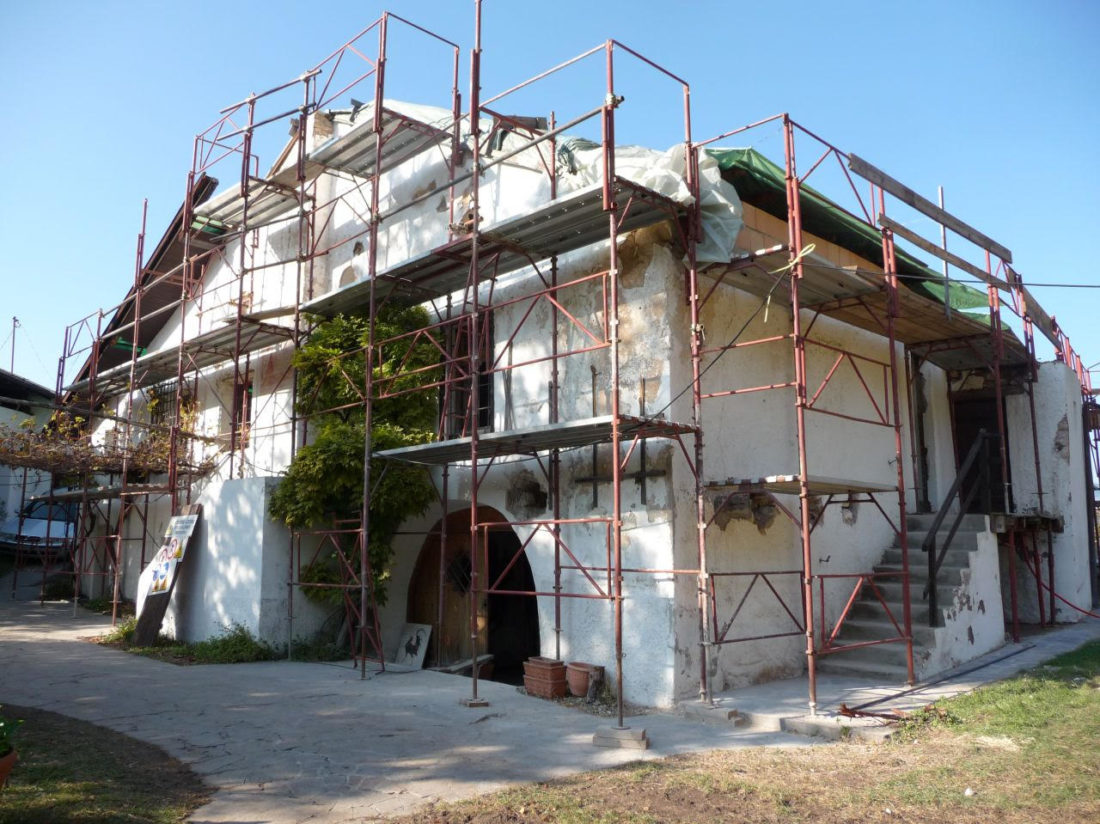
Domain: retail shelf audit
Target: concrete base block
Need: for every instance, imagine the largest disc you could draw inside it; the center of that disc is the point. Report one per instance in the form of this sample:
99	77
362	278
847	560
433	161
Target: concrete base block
835	729
474	702
624	739
713	713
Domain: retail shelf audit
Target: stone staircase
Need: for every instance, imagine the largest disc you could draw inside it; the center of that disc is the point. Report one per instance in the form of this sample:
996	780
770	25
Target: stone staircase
970	621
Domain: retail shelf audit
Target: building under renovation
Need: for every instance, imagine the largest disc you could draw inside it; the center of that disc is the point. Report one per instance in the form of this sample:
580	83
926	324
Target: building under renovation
705	417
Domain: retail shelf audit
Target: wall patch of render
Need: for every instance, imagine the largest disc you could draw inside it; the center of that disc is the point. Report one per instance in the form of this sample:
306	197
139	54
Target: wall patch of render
526	496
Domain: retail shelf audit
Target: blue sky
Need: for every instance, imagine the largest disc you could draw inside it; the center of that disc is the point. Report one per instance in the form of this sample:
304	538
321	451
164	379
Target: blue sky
999	102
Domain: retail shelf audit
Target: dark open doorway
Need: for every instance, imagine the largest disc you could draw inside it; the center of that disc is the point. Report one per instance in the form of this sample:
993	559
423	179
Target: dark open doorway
972	414
508	622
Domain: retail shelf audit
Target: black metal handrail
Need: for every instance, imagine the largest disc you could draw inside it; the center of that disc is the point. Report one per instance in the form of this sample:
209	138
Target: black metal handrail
935	559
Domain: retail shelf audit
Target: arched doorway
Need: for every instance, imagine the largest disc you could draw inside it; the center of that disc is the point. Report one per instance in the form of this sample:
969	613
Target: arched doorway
508	625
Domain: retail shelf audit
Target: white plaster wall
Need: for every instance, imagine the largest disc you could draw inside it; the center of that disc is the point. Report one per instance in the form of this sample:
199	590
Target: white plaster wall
937	436
236	568
1063	465
974	620
753	435
650	639
11	478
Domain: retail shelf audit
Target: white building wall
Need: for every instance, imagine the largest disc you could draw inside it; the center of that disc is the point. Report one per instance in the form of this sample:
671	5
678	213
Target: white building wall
1063	463
11	478
235	571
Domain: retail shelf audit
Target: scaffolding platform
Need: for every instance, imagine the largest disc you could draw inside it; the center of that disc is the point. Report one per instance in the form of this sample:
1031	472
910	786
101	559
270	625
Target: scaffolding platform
268	199
403	137
103	493
791	485
199	352
584	432
569	222
858	297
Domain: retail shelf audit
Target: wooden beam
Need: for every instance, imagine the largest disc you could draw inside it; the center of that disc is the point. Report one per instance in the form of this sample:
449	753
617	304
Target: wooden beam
1039	317
942	254
921	204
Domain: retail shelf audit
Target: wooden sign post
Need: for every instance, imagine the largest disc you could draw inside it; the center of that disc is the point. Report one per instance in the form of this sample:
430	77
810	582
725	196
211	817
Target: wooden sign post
158	579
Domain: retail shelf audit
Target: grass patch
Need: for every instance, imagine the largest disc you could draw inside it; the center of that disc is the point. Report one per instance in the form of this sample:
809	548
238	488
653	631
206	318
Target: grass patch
1025	748
71	770
235	645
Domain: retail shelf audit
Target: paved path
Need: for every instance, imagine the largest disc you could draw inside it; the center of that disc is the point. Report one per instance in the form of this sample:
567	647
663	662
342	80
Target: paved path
291	742
286	742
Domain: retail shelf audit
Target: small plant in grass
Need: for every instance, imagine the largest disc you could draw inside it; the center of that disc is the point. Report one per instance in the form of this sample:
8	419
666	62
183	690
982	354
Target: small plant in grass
8	730
121	634
235	645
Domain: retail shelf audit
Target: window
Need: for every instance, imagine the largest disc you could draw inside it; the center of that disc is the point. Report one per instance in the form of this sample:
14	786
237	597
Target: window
456	392
236	412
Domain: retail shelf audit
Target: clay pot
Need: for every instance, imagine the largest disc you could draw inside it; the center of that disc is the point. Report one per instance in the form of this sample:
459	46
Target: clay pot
6	764
544	677
577	675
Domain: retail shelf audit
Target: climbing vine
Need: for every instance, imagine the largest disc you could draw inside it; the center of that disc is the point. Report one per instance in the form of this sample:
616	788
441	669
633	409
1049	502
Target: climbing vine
323	486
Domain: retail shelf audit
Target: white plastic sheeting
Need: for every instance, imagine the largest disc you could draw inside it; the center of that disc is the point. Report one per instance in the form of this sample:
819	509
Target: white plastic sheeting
521	184
664	173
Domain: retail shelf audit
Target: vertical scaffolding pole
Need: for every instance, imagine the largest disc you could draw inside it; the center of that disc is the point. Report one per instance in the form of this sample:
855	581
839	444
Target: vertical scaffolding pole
702	582
794	230
889	260
366	583
613	325
474	345
998	354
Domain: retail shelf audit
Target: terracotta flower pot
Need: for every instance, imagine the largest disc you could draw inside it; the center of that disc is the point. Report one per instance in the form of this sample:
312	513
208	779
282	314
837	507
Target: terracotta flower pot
544	677
577	674
6	763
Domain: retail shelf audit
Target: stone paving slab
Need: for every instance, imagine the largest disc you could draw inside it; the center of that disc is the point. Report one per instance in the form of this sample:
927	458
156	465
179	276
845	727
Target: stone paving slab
285	742
783	705
293	742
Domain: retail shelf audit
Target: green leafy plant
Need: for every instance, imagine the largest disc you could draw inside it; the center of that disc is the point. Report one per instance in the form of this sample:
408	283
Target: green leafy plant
323	486
8	730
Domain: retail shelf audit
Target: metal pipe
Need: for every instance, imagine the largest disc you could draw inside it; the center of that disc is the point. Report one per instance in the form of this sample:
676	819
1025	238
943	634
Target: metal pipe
890	267
474	343
794	230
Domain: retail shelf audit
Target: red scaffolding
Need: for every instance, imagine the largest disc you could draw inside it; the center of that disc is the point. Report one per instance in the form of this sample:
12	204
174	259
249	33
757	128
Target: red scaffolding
458	280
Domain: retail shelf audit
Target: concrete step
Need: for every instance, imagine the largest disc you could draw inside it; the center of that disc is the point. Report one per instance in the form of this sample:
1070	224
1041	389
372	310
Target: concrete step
891	592
962	541
892	654
872	611
923	522
948	573
867	629
955	557
875	671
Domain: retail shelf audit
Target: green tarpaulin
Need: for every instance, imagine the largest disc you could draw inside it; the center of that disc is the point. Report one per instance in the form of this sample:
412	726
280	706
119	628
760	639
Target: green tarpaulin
762	183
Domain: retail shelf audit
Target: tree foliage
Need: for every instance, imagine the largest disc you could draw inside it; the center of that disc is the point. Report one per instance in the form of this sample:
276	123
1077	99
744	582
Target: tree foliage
323	486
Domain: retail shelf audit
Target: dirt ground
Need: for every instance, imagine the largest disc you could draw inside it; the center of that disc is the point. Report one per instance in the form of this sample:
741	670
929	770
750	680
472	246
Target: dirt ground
73	771
839	784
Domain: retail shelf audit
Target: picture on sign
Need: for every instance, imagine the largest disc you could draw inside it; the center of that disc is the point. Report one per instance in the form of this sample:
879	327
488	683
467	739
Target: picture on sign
162	568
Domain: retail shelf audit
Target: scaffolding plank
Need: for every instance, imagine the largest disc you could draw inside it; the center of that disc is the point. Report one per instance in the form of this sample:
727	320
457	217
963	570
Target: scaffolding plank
267	199
791	485
756	273
356	152
569	222
201	351
103	493
961	341
584	432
